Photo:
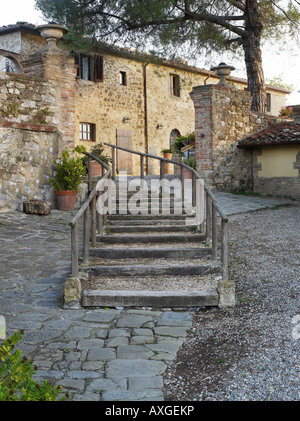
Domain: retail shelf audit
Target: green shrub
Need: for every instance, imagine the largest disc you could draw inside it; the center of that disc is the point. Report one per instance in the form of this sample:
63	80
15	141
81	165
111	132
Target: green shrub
191	162
16	372
69	171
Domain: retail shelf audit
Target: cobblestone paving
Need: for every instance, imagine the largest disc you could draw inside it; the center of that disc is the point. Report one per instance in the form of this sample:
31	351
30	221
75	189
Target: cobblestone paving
102	354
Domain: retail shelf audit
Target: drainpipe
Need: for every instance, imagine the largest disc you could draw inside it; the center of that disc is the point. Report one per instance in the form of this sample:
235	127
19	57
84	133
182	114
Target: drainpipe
146	114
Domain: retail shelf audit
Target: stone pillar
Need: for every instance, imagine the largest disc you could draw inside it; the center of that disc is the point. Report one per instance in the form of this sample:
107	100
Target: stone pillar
202	98
59	66
222	117
56	64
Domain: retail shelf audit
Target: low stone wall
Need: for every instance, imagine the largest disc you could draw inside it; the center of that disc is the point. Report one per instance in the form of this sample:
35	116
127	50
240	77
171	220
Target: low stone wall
278	186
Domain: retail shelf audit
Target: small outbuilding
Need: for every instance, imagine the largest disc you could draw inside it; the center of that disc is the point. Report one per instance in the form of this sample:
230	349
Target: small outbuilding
276	159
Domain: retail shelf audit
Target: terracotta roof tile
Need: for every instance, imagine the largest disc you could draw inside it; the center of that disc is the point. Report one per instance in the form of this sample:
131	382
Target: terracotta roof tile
287	133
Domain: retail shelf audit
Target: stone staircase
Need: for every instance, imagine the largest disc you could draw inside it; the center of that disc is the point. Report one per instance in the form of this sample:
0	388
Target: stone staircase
150	260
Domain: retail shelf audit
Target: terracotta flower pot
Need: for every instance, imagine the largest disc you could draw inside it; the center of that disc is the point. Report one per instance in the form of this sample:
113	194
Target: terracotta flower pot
167	165
66	199
187	174
96	169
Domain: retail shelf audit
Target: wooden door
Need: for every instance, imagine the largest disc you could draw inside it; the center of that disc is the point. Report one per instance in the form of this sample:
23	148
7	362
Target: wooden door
124	159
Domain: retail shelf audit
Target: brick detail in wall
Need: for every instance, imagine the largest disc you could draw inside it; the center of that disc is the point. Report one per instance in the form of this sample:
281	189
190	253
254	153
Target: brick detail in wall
222	117
57	67
60	68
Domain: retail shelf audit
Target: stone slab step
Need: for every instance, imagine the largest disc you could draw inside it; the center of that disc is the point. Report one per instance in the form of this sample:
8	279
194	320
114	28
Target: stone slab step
124	253
168	238
149	217
149	222
150	228
158	299
145	270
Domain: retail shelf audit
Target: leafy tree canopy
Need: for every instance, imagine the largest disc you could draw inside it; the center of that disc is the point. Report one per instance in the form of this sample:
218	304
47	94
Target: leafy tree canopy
185	26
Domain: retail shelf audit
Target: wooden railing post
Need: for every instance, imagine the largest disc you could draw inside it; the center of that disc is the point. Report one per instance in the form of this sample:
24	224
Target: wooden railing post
142	166
214	235
182	185
94	223
86	235
113	175
161	175
100	218
224	258
194	188
208	220
74	250
90	182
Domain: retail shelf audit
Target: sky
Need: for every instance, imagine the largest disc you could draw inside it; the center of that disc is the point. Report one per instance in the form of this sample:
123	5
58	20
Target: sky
283	62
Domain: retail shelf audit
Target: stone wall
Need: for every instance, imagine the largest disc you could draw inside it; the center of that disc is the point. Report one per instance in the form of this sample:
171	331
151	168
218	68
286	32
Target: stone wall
223	117
26	99
106	103
36	124
26	155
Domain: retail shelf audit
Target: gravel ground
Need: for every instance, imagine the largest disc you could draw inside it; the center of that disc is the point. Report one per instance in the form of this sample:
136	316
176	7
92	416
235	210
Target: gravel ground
250	352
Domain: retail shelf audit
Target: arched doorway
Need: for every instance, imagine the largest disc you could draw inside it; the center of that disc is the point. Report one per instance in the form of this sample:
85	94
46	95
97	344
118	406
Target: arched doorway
9	64
173	136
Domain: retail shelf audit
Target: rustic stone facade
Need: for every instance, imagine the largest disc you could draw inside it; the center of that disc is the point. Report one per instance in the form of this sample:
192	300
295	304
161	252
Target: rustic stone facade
43	105
222	117
26	155
36	123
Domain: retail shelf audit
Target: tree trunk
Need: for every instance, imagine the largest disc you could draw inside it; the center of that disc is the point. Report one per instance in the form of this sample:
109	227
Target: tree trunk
253	56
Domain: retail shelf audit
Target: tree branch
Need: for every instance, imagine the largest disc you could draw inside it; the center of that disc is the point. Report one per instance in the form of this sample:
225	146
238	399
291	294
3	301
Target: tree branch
239	4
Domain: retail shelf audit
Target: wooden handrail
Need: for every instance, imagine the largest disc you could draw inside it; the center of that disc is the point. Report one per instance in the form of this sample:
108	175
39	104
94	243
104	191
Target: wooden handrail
212	207
181	164
85	212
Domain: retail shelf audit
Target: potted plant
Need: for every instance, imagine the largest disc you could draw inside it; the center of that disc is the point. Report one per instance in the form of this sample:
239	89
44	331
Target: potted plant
182	141
167	153
98	152
286	112
177	146
69	173
191	162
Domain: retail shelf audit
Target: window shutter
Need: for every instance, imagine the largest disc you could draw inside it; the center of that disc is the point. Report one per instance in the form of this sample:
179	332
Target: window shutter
77	61
98	68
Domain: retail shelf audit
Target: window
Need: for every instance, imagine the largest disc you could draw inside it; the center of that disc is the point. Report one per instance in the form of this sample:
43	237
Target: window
87	131
122	78
89	67
268	104
174	85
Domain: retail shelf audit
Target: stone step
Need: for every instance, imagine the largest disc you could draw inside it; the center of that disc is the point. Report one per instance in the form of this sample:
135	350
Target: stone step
141	222
149	211
127	253
150	270
167	238
158	299
149	217
150	228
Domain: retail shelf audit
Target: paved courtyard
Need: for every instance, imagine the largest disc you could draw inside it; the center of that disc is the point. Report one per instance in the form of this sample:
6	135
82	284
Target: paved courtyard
104	354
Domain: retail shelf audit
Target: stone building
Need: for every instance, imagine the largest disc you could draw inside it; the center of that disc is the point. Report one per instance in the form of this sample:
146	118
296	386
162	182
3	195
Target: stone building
52	98
275	155
237	149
